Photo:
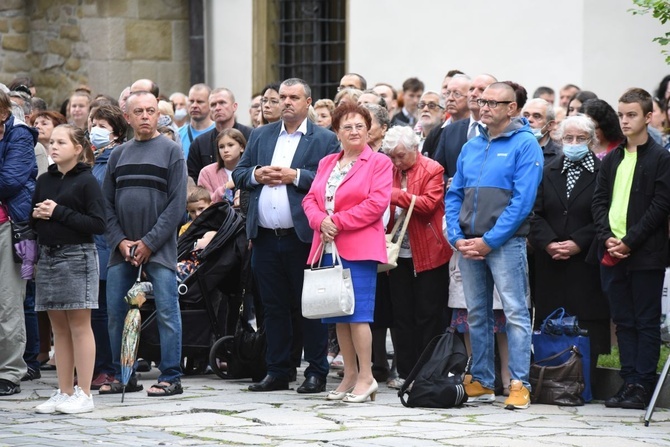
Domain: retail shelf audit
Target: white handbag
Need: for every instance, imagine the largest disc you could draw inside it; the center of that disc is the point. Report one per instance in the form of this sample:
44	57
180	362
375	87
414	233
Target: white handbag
393	248
327	291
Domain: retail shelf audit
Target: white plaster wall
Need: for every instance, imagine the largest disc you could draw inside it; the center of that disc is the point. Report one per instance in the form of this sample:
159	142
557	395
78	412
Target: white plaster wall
596	44
228	50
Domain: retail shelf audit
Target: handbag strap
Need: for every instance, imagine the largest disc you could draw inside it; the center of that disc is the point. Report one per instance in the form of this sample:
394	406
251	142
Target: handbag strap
538	386
556	314
319	253
572	348
408	214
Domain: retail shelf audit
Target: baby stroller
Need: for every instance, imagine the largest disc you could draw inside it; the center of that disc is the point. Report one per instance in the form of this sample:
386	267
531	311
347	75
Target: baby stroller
215	277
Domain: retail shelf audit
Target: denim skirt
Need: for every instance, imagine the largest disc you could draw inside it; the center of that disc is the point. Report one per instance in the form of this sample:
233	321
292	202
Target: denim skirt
66	277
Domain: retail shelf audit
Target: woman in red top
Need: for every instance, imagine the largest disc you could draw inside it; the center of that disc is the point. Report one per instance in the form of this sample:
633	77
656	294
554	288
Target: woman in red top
419	285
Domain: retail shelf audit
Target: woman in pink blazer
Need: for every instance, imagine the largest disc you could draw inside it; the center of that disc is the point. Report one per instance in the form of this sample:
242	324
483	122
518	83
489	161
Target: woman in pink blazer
345	205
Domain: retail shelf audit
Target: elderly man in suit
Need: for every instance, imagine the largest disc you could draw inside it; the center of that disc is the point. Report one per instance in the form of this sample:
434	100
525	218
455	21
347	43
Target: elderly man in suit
457	134
278	167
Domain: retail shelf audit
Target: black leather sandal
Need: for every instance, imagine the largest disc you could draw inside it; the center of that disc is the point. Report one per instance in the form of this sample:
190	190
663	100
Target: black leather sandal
167	390
117	387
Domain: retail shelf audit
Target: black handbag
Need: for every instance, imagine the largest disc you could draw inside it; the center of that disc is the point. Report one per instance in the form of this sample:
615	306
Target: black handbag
558	385
21	231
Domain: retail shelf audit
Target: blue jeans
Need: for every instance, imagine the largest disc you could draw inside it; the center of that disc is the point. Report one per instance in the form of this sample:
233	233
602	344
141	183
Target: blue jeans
103	352
32	331
507	268
120	278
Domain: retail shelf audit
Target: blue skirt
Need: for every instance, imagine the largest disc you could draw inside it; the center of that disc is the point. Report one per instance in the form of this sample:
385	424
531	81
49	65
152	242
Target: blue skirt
364	278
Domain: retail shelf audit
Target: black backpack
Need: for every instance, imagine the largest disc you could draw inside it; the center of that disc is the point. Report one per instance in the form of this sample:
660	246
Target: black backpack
436	381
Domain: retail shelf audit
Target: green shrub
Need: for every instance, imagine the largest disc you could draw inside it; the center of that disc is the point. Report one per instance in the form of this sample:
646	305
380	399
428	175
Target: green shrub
612	360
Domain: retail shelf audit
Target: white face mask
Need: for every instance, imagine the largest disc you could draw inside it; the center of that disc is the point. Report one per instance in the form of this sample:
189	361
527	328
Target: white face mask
180	114
99	137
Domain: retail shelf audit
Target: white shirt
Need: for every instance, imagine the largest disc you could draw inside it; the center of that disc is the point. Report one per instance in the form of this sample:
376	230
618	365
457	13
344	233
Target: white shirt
474	123
274	209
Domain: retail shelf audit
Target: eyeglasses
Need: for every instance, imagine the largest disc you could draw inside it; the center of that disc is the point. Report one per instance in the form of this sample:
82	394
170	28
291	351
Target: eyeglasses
255	106
139	112
273	101
359	128
568	139
491	103
430	105
455	94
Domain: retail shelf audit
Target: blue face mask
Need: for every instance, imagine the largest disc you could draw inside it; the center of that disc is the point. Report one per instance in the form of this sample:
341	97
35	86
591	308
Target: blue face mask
539	133
575	152
99	137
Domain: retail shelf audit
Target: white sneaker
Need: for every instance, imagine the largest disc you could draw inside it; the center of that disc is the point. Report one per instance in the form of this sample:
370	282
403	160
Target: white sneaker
50	406
79	402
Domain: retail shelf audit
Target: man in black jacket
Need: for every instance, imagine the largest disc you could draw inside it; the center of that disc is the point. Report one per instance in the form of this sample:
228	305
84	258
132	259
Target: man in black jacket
203	149
630	208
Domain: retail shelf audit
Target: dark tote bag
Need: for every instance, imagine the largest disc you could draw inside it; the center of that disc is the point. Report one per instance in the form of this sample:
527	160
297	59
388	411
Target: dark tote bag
558	333
558	385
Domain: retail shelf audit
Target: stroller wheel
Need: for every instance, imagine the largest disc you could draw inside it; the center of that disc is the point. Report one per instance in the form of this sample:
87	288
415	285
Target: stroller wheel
220	355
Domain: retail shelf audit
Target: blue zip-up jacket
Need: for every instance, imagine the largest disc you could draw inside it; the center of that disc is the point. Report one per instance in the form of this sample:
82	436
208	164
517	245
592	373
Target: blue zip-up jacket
493	191
99	170
18	168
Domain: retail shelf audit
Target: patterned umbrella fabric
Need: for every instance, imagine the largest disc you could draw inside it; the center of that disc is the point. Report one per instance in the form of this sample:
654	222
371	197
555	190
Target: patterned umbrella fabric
135	297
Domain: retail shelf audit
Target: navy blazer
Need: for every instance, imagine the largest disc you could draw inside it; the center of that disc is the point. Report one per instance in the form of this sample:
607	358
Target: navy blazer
453	137
313	146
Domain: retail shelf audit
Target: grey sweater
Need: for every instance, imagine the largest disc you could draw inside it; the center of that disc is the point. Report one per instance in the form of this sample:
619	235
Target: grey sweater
145	197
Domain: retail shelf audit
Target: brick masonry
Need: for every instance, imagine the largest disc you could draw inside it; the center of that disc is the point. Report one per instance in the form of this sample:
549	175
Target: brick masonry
105	44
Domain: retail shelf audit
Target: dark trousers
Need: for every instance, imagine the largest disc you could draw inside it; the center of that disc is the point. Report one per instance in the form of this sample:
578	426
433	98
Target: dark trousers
278	264
103	349
32	330
635	304
418	304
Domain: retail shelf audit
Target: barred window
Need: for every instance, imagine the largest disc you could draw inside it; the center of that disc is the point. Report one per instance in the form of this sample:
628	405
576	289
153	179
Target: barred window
312	43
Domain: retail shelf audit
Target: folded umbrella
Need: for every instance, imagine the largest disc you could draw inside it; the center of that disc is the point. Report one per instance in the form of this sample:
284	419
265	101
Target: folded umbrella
130	338
27	250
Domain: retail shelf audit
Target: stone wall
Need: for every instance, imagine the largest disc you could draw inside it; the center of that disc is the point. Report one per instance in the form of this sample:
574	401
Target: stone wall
105	44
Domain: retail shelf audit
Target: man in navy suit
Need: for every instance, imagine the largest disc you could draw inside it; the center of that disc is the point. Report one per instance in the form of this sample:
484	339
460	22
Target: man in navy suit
278	167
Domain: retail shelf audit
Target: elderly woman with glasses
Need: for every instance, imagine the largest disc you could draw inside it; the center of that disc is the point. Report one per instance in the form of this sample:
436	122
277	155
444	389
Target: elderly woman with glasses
419	283
563	232
344	206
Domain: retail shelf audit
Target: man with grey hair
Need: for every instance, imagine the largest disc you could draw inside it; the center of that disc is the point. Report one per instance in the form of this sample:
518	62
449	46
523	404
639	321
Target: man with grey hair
145	193
203	150
180	103
455	96
431	115
277	168
456	135
542	120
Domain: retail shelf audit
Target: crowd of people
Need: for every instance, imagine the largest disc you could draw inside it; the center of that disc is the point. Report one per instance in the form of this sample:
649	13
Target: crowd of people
518	206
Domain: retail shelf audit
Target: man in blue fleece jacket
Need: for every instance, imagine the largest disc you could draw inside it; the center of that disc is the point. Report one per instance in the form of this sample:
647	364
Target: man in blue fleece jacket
487	209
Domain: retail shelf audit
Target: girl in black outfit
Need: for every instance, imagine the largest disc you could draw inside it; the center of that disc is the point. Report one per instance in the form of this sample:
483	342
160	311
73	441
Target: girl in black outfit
68	210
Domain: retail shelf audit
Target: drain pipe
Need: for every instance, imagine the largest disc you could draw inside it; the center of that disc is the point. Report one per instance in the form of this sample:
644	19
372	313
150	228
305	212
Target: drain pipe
196	38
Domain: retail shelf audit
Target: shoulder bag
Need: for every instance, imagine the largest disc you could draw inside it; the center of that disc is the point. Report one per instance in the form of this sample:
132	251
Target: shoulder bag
393	248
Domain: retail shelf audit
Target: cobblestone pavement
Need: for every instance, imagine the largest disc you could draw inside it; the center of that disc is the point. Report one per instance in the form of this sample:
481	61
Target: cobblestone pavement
216	412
